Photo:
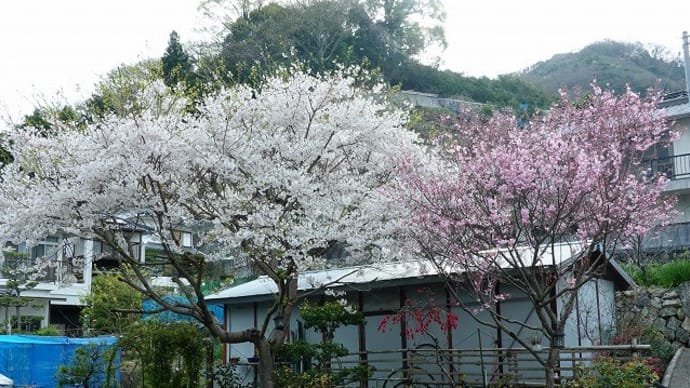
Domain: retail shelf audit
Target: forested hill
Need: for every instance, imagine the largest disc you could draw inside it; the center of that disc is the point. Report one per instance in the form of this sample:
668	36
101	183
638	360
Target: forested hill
323	34
505	91
611	63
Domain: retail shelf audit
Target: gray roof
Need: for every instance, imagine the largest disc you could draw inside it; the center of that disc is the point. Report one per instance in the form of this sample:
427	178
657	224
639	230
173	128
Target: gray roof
329	278
409	271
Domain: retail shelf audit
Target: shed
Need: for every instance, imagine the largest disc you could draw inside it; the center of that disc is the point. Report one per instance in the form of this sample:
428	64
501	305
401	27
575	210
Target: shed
380	290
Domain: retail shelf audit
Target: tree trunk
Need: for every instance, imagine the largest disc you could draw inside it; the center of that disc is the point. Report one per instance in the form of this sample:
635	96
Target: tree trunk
8	320
19	319
266	365
552	367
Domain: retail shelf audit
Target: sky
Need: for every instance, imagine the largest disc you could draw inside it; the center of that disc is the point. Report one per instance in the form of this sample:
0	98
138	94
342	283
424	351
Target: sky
64	46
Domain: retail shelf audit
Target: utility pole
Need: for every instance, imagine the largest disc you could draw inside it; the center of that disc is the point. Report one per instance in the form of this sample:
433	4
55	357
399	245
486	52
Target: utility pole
686	55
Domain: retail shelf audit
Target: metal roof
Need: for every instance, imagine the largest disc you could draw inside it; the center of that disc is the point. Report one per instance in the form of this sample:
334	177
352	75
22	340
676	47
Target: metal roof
263	287
330	278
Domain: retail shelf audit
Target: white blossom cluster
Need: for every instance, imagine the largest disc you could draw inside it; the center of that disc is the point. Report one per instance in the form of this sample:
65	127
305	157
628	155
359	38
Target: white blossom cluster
279	173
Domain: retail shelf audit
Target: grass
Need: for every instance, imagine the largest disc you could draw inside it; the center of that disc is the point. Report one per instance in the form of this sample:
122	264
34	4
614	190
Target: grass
665	275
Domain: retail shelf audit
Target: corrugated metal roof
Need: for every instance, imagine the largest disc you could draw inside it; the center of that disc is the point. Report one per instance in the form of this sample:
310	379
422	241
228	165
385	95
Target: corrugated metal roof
331	278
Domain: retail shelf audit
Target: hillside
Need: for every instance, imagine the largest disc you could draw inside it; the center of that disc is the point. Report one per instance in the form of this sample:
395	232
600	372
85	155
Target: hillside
611	63
506	90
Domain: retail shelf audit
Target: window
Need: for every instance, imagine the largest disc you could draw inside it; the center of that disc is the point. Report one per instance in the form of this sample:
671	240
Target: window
47	247
184	238
102	250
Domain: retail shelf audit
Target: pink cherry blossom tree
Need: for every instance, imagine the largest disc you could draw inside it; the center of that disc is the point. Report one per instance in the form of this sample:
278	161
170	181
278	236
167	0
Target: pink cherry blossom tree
276	176
504	203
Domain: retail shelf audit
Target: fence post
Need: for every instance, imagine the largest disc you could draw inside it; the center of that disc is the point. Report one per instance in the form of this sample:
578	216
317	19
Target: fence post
457	372
513	367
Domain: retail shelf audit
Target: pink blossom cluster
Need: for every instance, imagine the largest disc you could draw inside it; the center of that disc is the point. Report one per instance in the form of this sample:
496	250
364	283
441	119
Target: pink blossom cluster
420	315
574	173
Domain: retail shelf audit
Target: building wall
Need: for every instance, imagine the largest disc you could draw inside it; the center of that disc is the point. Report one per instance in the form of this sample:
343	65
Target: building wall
682	144
470	335
683	207
38	308
593	317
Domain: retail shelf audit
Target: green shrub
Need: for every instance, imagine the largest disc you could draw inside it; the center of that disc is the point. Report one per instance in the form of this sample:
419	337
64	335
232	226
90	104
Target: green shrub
673	273
317	359
227	376
661	348
610	373
91	366
48	331
171	354
666	275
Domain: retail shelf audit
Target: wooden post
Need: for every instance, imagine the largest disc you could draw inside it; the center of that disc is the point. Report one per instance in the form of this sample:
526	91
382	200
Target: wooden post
481	358
361	330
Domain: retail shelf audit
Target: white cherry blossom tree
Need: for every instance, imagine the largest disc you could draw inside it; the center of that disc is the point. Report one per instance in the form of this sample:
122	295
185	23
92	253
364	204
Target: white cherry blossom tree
278	175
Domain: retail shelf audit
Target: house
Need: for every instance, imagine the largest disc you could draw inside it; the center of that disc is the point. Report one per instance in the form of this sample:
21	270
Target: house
381	290
674	161
63	269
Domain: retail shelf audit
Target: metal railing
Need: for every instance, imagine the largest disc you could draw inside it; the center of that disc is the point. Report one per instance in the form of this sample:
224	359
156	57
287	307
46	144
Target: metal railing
51	269
674	167
430	367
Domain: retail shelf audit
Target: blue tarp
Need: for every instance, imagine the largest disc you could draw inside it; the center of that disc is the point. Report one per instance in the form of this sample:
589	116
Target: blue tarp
169	316
34	360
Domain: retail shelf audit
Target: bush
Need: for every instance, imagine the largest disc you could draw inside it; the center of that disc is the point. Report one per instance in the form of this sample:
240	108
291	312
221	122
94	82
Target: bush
49	331
661	350
310	365
610	373
92	366
672	274
171	354
226	376
666	275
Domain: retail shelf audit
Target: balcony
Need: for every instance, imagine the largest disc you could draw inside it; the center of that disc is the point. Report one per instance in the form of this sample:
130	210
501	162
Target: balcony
676	168
50	270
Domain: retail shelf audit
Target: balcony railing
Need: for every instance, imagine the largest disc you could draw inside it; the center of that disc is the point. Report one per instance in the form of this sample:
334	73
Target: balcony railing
674	167
51	270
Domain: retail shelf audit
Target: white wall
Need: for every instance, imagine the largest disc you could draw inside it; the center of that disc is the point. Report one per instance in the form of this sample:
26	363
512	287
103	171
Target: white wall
682	144
38	308
592	319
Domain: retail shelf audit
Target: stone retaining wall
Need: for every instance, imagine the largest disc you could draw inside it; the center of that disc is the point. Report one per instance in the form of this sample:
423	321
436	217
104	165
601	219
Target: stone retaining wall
665	309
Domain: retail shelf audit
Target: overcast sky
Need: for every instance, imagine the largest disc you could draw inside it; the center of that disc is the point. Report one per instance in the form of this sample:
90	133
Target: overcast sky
52	45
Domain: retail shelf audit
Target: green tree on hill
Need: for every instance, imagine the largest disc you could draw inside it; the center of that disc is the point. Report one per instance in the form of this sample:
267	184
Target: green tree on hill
177	66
